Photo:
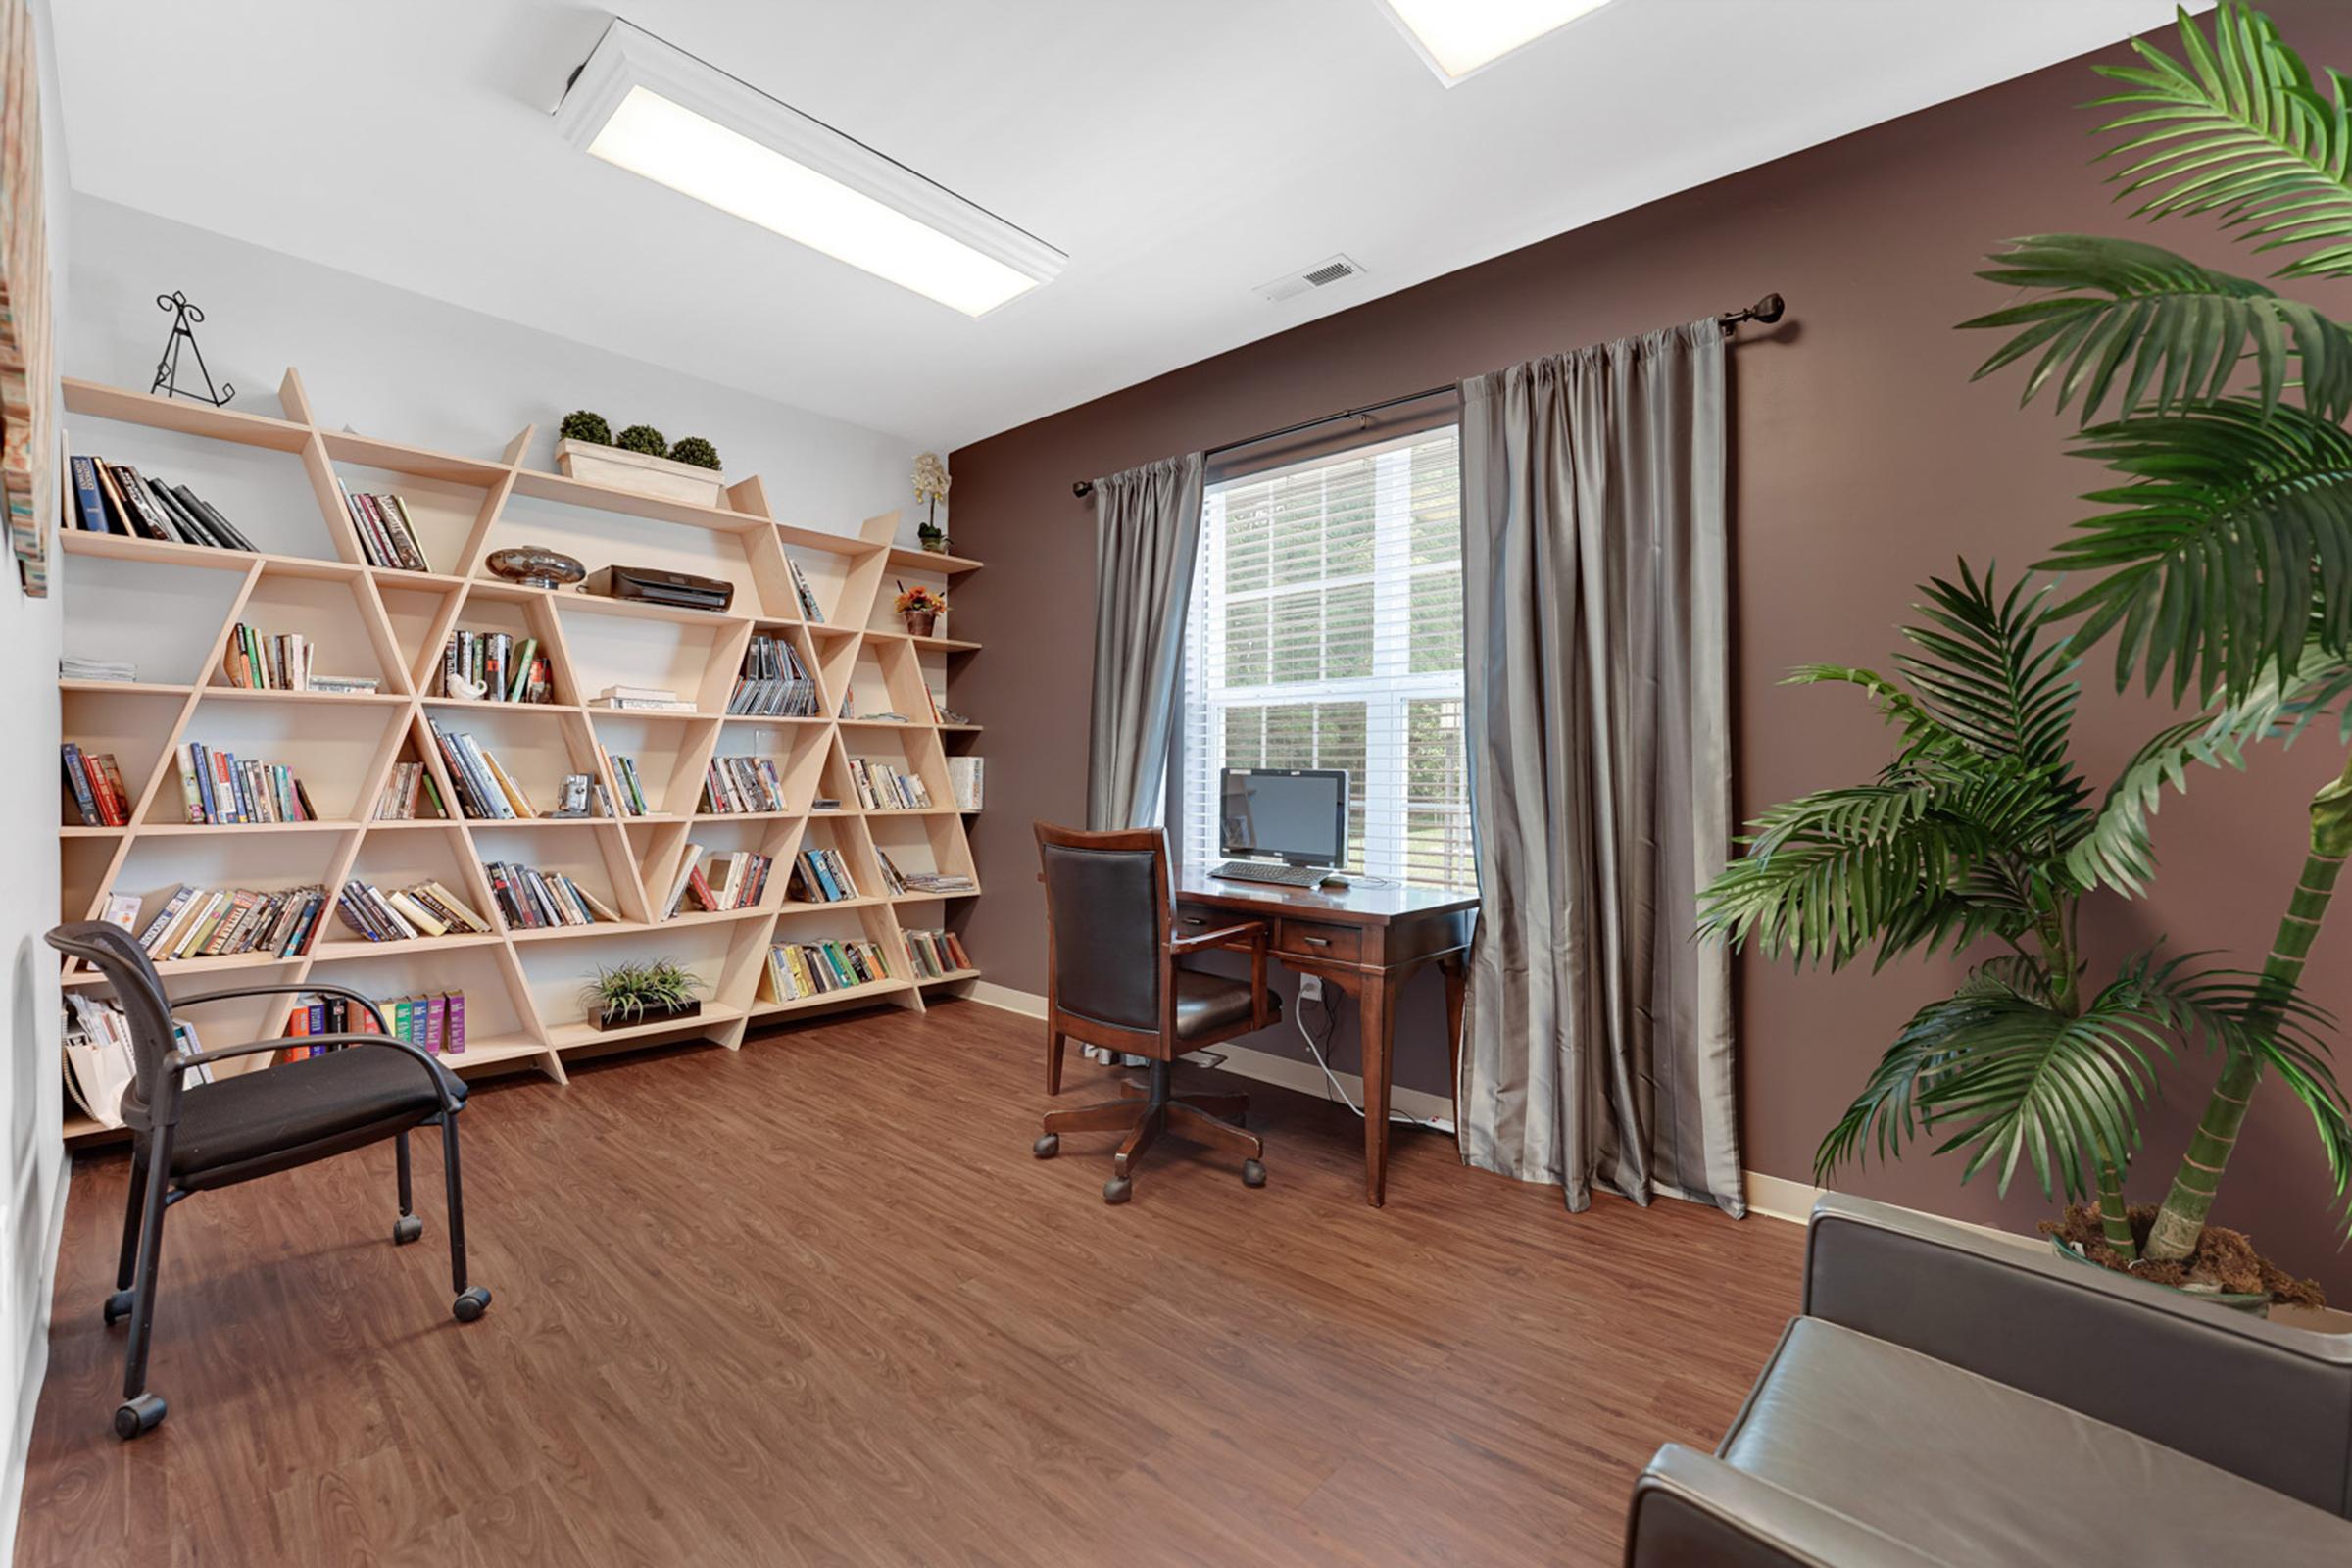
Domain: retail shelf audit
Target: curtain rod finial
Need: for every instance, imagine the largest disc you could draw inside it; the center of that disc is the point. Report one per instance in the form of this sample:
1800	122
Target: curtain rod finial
1082	489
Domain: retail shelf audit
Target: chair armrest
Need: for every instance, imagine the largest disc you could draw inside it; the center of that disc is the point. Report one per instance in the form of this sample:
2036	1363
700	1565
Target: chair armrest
2262	1401
1694	1511
320	987
179	1061
1248	933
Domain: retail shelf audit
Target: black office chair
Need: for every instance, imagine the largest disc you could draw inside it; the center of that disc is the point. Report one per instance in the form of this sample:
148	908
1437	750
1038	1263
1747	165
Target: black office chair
186	1138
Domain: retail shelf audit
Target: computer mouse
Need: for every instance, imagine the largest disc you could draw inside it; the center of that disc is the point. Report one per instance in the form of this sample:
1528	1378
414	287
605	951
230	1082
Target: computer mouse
1334	880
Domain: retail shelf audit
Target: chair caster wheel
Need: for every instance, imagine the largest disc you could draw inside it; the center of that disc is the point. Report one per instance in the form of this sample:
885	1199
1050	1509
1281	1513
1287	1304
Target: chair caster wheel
134	1417
1253	1173
471	1304
407	1229
118	1307
1047	1146
1118	1190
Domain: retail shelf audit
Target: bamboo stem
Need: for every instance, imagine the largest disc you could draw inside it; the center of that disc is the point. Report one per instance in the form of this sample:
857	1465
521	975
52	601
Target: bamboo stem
2115	1221
2181	1219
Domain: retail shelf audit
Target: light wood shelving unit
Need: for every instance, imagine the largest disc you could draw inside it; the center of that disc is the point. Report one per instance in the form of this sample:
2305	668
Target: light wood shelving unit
171	608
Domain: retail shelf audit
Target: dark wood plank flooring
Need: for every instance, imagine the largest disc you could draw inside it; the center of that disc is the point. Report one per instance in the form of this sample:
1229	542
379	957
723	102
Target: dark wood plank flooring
815	1303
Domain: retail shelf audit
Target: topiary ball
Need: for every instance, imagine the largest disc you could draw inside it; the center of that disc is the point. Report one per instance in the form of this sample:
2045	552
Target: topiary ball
642	438
695	449
582	424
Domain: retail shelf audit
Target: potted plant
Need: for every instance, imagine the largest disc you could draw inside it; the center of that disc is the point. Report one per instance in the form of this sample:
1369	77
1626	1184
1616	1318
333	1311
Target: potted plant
931	483
639	460
630	994
1979	830
921	607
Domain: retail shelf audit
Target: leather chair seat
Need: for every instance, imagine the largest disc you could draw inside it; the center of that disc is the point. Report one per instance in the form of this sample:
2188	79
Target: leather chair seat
1971	1473
1210	1002
233	1126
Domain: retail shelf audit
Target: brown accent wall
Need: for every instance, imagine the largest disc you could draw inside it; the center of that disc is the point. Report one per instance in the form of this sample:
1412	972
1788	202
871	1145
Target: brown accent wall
1864	460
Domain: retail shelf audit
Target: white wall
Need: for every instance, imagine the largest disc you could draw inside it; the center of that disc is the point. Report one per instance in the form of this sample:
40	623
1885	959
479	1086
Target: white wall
33	1198
404	368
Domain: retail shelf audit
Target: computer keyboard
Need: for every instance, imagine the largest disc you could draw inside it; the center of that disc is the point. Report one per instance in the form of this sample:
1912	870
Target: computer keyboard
1289	876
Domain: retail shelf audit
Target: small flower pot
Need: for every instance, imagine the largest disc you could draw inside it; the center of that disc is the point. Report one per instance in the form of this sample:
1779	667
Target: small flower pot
934	541
632	1021
920	621
2258	1305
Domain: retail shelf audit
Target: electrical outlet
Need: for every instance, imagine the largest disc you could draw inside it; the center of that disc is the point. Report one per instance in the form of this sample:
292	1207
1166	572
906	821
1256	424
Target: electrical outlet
1311	988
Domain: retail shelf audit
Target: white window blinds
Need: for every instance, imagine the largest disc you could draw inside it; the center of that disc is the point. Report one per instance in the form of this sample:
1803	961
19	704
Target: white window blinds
1326	631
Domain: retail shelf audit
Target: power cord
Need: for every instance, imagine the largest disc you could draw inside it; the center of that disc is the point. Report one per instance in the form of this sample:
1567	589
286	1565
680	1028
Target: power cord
1331	1027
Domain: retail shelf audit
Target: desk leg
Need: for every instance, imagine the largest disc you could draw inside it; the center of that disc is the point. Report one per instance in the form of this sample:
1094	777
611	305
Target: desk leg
1379	1027
1456	971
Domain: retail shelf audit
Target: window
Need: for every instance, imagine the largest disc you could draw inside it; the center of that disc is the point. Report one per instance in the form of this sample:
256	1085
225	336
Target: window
1326	631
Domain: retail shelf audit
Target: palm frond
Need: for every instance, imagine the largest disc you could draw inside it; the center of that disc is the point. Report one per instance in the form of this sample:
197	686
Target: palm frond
2114	848
2237	527
2157	329
2241	131
1985	671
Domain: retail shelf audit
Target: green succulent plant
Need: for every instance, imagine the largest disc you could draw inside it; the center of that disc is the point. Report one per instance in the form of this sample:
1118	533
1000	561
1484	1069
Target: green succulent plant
631	991
643	438
695	449
585	425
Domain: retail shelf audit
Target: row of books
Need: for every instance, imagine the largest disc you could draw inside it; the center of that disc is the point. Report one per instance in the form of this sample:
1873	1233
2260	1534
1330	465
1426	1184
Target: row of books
935	954
81	666
217	788
256	661
933	882
733	881
641	699
882	787
388	535
737	784
490	667
775	683
530	899
434	1020
96	783
98	1060
484	791
631	787
403	914
796	969
410	786
821	877
965	781
113	498
209	922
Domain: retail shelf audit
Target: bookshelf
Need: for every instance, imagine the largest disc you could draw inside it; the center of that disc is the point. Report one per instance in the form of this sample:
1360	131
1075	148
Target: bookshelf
171	609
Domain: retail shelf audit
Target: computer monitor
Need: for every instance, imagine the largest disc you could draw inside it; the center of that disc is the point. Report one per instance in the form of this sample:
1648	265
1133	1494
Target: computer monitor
1295	814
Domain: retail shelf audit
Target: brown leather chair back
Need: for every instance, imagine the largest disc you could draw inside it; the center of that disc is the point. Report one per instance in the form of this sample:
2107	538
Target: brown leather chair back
1106	922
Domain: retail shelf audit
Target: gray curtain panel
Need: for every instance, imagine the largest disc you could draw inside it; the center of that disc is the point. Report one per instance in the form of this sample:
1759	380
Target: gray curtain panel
1147	537
1598	1039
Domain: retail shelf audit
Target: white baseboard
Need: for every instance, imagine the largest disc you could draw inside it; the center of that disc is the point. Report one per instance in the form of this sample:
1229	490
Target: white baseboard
1779	1197
1261	1066
35	1370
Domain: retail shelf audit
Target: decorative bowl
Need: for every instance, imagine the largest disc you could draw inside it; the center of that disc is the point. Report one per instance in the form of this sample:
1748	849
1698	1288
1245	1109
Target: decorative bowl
536	567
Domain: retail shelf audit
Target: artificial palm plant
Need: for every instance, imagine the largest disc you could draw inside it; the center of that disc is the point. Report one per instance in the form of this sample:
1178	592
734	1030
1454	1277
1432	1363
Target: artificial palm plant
1981	828
2223	556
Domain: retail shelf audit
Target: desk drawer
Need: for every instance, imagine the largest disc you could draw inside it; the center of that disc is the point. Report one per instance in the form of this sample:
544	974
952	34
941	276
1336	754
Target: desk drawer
1319	939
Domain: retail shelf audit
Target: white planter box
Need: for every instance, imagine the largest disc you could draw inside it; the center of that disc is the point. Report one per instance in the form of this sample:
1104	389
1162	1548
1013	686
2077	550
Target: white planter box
641	474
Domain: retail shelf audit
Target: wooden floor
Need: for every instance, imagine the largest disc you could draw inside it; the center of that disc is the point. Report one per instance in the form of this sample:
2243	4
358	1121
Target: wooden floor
815	1303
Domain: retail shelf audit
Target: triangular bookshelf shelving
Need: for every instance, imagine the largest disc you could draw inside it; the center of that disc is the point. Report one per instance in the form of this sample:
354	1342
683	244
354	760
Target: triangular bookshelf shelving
179	605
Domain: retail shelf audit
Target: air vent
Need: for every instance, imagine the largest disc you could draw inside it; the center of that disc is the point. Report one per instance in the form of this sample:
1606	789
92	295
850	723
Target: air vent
1320	276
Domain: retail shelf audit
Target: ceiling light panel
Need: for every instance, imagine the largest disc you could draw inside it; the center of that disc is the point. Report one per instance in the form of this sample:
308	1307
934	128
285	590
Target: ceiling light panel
1458	38
646	106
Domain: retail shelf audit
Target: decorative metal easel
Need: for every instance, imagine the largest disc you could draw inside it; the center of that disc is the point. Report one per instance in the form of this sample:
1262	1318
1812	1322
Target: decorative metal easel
167	370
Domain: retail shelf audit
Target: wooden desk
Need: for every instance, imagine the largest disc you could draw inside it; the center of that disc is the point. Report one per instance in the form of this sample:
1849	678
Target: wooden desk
1367	941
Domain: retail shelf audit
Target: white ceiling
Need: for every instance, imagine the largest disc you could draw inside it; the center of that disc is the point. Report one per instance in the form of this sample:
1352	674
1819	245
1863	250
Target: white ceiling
1181	153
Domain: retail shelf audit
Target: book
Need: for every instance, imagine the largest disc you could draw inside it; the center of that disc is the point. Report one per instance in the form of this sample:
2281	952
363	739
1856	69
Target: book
809	610
965	779
210	922
773	682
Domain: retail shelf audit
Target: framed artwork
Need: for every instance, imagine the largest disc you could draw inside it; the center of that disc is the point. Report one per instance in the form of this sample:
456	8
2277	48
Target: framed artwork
28	464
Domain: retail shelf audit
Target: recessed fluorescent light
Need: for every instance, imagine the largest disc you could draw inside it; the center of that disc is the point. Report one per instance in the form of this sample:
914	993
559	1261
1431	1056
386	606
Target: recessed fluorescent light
1459	39
651	108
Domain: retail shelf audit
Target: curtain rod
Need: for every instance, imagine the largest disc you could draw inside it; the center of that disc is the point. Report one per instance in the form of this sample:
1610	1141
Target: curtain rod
1767	310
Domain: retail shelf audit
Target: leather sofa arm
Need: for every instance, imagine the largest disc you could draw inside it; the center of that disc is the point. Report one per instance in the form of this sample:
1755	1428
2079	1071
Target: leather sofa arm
2262	1401
1694	1511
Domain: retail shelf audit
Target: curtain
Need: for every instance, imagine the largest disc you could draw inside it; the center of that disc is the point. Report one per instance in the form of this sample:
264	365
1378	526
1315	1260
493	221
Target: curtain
1598	1039
1146	534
